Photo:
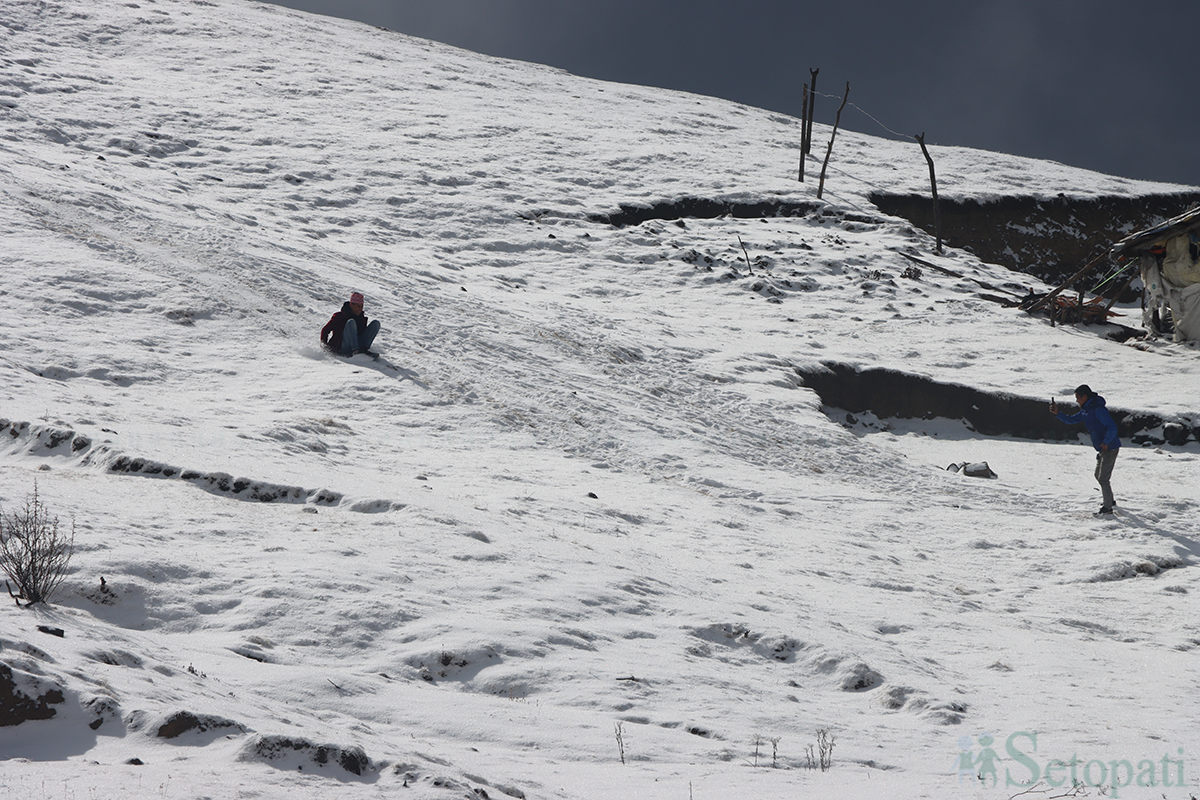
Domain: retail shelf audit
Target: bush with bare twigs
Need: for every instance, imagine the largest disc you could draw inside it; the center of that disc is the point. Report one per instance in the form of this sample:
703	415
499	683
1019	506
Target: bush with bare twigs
34	552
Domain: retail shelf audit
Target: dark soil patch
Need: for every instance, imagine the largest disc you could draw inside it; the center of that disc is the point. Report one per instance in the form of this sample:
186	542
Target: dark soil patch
1050	238
704	208
891	394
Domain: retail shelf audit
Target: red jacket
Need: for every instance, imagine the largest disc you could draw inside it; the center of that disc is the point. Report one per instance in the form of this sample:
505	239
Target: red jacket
331	334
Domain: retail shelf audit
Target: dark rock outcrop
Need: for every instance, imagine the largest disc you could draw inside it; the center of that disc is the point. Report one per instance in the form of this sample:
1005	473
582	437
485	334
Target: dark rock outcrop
18	705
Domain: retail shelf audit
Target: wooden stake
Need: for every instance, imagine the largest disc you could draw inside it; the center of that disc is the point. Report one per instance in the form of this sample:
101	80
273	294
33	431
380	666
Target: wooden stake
836	121
937	214
803	131
812	104
749	268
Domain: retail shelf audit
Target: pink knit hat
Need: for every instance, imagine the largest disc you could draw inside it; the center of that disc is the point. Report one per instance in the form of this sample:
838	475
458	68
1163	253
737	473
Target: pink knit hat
356	299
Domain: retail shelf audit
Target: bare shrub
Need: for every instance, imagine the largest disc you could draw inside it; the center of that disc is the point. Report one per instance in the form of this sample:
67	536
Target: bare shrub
822	754
825	742
34	552
761	741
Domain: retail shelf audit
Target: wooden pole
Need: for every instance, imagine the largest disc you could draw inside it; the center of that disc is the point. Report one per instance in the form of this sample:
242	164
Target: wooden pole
836	121
1067	283
749	268
937	214
812	104
1125	286
803	131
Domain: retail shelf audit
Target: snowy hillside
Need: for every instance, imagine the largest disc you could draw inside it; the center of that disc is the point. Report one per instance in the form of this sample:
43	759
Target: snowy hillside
583	531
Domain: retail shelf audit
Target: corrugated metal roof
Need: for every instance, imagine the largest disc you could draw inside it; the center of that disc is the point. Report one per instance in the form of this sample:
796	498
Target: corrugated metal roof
1158	234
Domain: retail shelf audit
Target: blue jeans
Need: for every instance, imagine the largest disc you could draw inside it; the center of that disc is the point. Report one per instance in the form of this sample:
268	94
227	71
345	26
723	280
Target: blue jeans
350	342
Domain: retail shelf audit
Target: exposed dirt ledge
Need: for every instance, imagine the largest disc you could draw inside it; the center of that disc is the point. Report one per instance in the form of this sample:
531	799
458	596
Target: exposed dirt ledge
889	394
706	208
1051	239
25	438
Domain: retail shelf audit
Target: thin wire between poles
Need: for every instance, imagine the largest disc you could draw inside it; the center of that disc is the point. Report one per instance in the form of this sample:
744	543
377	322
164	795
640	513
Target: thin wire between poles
869	116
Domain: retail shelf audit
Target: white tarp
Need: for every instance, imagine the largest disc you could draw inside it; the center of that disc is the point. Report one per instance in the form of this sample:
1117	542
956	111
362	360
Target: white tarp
1174	285
1186	313
1181	265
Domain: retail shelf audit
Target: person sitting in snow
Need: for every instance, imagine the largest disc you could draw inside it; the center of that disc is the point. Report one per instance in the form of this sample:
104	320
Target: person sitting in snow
1094	414
348	331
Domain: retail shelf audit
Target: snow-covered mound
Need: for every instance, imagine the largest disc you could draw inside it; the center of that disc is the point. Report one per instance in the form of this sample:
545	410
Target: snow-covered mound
583	531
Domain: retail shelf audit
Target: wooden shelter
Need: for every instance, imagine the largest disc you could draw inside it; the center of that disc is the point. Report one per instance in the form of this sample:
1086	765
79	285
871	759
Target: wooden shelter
1169	258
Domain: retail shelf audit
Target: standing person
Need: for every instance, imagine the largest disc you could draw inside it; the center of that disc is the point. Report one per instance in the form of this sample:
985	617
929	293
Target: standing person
1103	429
348	331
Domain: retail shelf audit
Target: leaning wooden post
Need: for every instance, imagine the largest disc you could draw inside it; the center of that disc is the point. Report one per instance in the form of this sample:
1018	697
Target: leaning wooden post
1067	283
836	121
803	131
937	214
1118	293
749	268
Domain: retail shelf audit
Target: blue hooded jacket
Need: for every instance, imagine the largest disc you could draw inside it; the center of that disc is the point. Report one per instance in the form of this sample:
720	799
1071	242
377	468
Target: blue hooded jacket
1100	424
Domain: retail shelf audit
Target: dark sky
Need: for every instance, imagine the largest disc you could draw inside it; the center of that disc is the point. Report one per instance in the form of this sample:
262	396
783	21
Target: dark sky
1092	83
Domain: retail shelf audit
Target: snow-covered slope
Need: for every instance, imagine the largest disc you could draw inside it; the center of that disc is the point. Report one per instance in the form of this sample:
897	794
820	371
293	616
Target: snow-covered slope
583	532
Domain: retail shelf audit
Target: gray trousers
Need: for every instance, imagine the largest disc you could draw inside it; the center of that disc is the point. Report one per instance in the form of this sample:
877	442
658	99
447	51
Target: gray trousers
1104	467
